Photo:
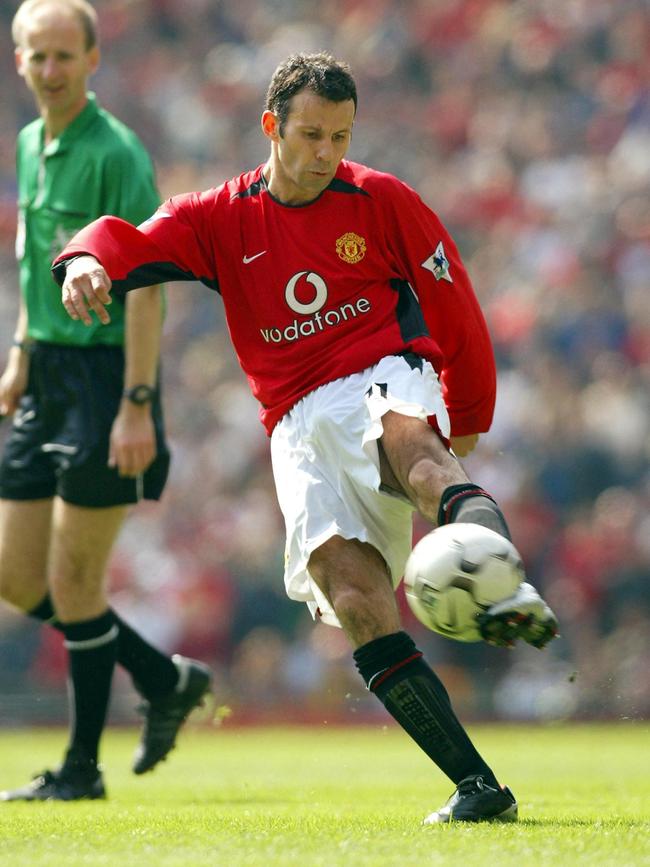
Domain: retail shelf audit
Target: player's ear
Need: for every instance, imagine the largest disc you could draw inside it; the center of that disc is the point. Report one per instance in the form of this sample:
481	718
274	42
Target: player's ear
270	125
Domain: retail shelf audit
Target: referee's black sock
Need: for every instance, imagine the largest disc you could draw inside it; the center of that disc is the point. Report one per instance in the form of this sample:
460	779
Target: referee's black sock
92	650
153	673
394	670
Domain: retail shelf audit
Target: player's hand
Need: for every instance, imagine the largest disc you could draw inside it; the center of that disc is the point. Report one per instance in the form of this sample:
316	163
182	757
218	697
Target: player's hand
462	446
132	445
86	287
13	381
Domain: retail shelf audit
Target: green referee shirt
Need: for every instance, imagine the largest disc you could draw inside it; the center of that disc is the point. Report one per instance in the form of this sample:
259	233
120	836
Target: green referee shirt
96	166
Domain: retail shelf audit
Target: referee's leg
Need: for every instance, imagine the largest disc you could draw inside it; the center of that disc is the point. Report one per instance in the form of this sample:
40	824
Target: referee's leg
81	543
24	550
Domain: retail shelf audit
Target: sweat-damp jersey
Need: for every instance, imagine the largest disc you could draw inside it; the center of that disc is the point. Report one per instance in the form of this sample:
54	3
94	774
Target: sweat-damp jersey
318	291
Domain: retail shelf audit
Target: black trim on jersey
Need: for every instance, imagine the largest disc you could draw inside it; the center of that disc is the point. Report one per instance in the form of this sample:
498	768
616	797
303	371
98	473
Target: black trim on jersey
254	190
409	313
159	272
336	185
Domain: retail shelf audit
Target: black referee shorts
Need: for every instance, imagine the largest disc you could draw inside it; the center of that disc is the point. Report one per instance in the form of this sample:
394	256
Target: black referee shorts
60	436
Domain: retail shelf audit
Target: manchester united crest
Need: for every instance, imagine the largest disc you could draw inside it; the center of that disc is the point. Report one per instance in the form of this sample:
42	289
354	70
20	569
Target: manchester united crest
351	247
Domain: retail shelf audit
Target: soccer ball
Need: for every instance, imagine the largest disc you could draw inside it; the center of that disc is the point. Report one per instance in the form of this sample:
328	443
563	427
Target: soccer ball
455	573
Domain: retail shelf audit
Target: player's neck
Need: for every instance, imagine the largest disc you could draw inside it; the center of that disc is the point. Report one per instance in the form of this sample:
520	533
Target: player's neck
280	187
283	189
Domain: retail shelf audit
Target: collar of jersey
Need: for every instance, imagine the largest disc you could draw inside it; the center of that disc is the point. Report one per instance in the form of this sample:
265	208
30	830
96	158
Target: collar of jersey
282	204
73	130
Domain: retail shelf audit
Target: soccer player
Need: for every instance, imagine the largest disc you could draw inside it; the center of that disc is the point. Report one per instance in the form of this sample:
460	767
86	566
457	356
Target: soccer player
356	324
87	437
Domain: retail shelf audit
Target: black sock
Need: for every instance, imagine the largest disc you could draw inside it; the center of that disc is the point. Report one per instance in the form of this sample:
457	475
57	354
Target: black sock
471	504
45	611
153	673
394	670
92	650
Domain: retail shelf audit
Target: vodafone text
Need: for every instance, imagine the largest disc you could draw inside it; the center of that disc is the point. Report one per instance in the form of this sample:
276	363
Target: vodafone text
318	322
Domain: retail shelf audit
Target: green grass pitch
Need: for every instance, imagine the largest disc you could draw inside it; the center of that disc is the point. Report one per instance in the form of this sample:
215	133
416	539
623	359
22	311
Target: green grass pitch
321	796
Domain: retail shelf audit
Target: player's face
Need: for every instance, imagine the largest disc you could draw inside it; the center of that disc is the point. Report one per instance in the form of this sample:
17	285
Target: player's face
55	63
314	140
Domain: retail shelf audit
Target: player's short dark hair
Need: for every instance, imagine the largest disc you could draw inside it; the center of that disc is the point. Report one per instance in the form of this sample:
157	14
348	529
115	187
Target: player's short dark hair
320	73
81	8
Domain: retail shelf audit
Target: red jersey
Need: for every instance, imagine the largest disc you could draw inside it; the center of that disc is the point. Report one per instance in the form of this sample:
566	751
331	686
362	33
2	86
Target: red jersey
318	291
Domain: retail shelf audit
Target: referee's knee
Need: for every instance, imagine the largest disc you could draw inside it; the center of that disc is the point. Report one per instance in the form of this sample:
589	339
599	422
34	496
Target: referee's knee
20	594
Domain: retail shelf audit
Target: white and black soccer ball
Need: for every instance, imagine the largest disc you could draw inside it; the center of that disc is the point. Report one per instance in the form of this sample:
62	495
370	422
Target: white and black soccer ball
457	572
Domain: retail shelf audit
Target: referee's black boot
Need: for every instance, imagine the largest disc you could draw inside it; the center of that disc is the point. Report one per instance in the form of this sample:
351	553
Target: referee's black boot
66	784
163	717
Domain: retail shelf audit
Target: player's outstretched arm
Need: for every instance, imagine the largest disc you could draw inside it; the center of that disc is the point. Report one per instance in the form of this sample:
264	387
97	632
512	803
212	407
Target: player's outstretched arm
86	287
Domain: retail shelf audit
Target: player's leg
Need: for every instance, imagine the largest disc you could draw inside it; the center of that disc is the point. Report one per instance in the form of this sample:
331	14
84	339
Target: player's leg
327	478
415	461
355	580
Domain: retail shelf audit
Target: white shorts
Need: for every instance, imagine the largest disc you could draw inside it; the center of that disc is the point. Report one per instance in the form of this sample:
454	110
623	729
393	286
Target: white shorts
326	468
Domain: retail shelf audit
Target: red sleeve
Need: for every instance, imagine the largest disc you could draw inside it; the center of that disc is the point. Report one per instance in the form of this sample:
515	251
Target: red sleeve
165	247
428	256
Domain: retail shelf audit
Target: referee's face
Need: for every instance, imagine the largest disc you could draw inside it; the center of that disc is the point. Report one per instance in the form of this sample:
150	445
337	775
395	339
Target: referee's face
55	63
314	140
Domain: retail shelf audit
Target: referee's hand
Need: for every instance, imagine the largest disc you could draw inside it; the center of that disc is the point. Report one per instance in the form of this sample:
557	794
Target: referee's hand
132	444
86	287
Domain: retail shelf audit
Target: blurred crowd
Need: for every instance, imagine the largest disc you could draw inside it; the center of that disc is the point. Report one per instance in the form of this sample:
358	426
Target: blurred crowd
525	124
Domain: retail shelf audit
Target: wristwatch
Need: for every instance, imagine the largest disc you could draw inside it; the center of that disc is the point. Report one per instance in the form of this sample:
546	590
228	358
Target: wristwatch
139	394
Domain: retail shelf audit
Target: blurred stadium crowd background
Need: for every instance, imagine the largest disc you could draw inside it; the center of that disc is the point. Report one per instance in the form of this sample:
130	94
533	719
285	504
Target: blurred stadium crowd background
526	126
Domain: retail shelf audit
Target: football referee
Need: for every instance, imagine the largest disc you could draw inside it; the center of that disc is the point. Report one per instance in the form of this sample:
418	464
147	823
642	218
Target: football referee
87	437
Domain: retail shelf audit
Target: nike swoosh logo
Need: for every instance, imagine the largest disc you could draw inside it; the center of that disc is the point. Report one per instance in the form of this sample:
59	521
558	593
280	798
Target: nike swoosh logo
248	259
159	215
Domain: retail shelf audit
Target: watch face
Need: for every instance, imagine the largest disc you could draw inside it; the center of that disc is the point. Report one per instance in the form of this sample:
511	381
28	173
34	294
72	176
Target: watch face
140	394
